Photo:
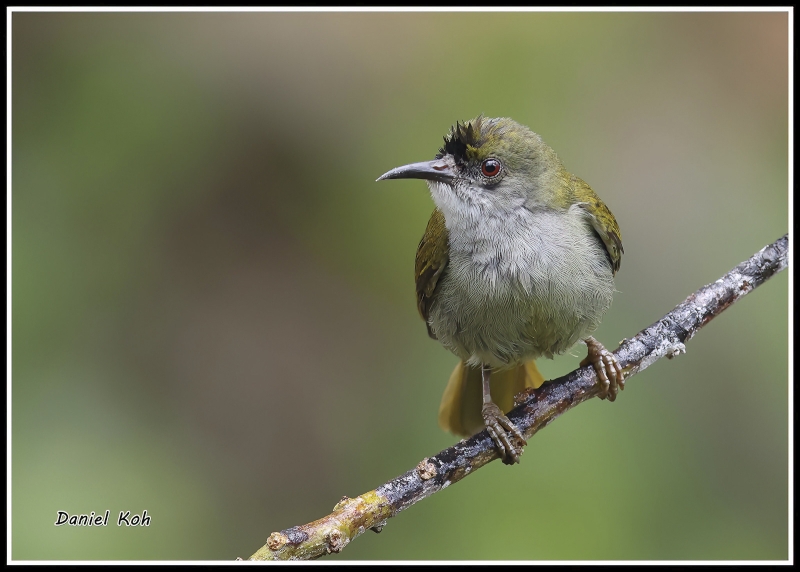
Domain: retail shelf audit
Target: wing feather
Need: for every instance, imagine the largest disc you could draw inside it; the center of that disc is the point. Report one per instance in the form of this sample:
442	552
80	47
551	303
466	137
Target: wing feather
601	219
431	260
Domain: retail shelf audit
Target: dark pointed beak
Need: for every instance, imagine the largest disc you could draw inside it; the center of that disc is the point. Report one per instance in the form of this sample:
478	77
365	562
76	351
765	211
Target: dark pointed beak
436	170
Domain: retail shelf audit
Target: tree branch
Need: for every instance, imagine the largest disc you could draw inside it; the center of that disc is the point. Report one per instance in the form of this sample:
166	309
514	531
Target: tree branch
536	409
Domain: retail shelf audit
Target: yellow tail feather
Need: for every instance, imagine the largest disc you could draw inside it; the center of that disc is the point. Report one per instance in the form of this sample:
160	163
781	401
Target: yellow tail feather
460	410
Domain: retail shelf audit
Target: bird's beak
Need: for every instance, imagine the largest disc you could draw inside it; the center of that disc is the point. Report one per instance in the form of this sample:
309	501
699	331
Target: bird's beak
437	170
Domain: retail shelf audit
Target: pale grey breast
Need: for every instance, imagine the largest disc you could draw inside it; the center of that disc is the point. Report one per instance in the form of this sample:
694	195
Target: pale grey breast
520	287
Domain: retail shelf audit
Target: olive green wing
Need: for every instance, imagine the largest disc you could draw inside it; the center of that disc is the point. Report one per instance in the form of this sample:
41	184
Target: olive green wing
432	258
601	220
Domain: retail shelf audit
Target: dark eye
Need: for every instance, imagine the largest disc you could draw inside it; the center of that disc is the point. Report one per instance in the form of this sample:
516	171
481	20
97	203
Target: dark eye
490	167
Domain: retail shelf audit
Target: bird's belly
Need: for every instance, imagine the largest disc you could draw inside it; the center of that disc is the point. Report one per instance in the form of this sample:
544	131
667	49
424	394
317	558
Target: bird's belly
492	312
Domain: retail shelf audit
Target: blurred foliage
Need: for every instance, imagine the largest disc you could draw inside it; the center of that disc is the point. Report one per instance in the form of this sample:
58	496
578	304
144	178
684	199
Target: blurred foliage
213	312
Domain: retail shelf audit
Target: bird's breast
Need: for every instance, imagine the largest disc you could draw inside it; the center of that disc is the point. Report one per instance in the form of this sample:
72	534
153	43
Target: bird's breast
518	287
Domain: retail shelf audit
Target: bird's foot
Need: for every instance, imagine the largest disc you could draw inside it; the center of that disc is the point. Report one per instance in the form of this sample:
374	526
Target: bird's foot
500	428
608	369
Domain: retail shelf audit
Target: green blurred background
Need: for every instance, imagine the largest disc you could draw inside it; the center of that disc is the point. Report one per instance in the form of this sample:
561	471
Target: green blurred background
213	305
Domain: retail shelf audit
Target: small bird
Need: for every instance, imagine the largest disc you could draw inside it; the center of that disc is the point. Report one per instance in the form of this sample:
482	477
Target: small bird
517	262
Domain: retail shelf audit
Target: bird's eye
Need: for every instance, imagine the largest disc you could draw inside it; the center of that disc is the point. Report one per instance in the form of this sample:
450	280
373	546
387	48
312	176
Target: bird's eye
490	167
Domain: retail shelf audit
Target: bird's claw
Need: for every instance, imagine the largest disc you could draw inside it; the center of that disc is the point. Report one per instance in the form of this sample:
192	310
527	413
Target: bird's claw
607	367
499	428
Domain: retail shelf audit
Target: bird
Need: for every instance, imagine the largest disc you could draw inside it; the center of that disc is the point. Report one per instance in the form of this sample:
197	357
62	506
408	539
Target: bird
517	262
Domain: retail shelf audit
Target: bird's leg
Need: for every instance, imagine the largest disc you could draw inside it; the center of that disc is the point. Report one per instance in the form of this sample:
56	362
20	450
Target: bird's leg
498	424
608	370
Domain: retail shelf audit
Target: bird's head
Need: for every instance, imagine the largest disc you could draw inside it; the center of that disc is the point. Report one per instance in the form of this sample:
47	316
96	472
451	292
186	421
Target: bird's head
491	165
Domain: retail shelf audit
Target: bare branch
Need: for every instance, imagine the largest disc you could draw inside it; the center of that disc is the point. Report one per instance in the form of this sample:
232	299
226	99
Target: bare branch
352	517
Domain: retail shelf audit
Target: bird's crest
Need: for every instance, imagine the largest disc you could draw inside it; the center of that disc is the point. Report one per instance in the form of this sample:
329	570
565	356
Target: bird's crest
461	138
473	141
